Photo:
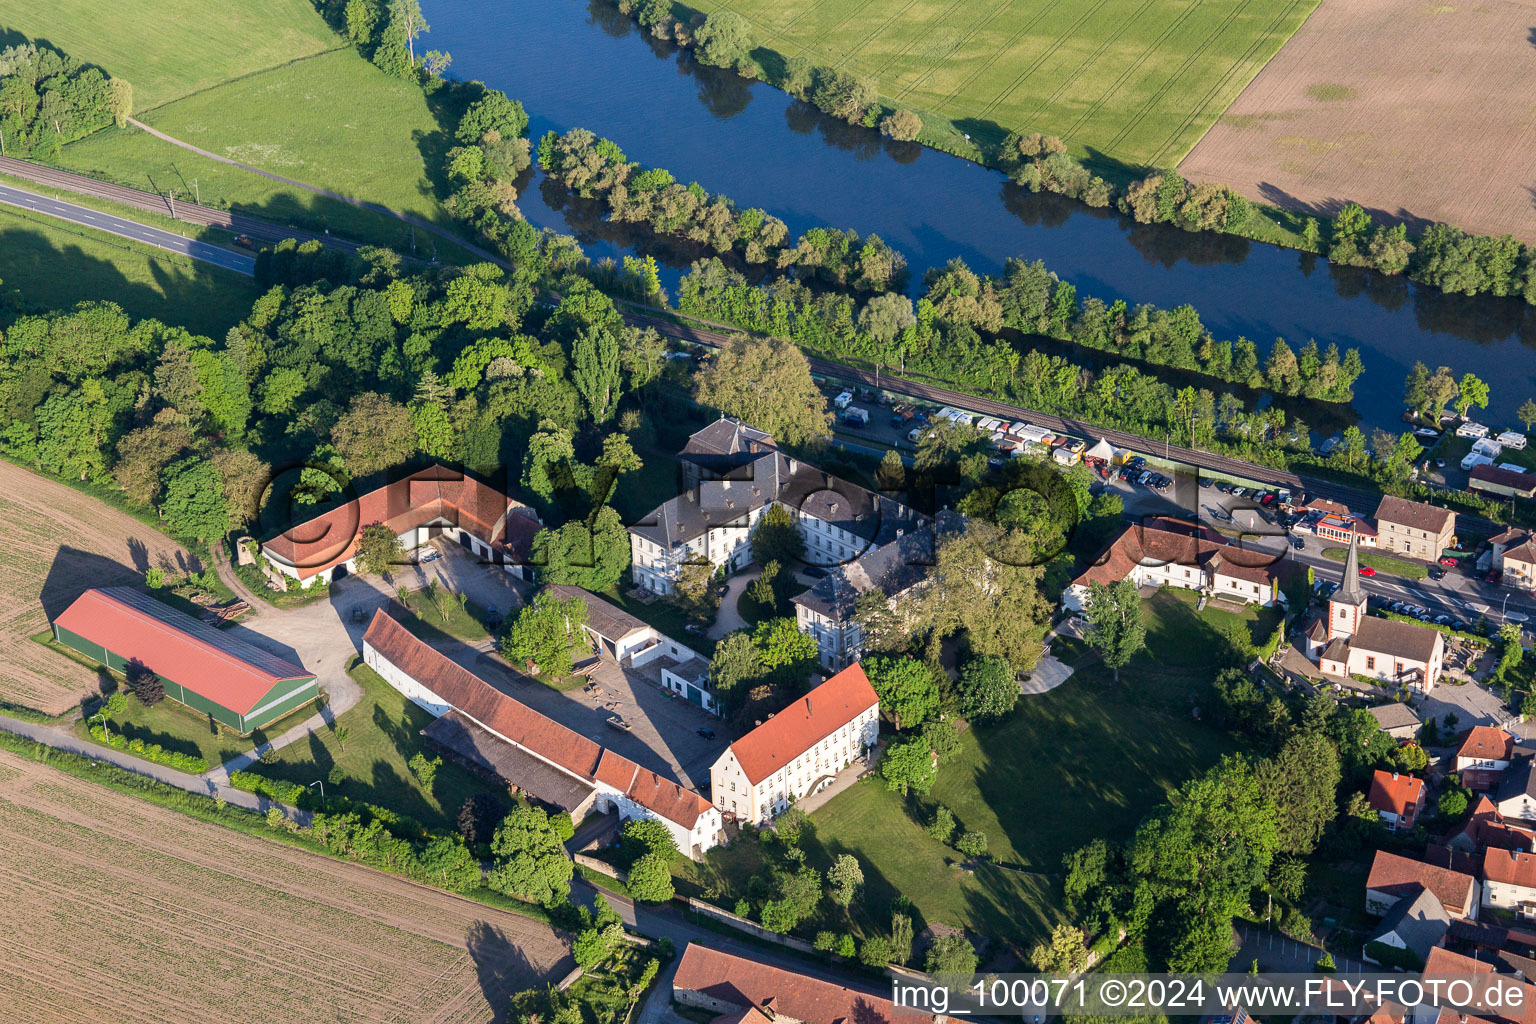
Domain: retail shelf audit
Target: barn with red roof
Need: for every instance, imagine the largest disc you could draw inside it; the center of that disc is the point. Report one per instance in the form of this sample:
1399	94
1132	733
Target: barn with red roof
210	671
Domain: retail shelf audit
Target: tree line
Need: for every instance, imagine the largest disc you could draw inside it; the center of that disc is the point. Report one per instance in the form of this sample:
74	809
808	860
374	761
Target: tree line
48	99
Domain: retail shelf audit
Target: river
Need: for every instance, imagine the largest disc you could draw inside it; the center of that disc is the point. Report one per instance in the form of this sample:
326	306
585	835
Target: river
579	63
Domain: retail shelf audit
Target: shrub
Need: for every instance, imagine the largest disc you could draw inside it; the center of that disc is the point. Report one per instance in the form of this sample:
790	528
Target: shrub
650	879
424	770
903	126
942	827
876	952
972	844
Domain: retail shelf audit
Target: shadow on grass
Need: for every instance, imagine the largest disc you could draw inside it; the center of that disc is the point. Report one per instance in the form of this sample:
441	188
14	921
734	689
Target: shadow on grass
500	966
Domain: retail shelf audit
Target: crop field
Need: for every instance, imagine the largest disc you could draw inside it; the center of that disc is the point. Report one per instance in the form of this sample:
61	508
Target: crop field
1419	112
170	48
121	910
333	121
58	543
1124	82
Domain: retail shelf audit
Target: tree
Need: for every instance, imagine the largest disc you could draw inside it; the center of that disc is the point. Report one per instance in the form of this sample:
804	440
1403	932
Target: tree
449	864
1510	651
972	844
788	654
846	878
594	946
591	553
1416	388
245	481
734	669
544	632
1065	953
407	13
619	455
765	382
379	549
146	685
530	859
1302	781
1453	804
694	590
478	817
909	767
374	434
1471	391
1438	391
1527	413
951	954
194	500
901	938
875	952
902	125
644	836
143	454
777	537
988	688
724	40
942	827
549	449
885	316
425	770
650	879
596	371
881	626
1114	618
983	583
906	689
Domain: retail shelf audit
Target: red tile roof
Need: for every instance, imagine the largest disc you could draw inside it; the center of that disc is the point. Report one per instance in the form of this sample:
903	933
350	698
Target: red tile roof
1399	876
805	723
477	699
1512	867
1414	514
1162	540
436	492
737	981
1442	965
1486	828
1485	743
216	665
1396	793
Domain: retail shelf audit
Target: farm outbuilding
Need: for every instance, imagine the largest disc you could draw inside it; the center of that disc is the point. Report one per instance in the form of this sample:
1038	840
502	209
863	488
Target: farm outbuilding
211	672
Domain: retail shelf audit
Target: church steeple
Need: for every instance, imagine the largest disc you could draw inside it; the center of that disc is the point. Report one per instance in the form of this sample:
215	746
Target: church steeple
1347	605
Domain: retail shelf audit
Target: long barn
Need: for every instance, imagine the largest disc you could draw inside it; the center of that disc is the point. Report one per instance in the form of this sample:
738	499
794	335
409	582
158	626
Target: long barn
216	674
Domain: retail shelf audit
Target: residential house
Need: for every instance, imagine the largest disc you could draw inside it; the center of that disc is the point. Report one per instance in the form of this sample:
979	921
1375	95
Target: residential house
1509	881
434	502
1162	551
1514	554
1396	719
799	750
551	762
1401	653
1416	925
1515	796
738	990
1505	483
1394	878
712	523
1486	828
1397	798
1484	756
1413	528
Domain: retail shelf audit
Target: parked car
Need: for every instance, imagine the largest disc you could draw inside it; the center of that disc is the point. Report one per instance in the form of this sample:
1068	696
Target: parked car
1366	570
1437	574
694	628
430	555
1458	624
1205	481
1494	576
1448	560
1444	620
708	734
1517	617
1268	499
1298	543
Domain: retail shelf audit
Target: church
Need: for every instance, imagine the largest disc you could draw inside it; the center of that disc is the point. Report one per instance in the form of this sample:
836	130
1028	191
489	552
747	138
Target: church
1348	642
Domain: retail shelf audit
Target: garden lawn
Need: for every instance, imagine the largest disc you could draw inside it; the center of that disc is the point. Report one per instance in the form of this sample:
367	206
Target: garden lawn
167	49
1381	562
333	121
1086	760
443	614
384	732
55	265
1126	83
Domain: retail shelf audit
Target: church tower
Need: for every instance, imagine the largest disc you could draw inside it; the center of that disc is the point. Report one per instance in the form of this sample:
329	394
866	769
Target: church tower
1347	605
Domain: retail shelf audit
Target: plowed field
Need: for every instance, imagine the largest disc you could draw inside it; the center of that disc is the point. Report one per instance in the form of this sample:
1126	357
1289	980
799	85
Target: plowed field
122	911
1418	111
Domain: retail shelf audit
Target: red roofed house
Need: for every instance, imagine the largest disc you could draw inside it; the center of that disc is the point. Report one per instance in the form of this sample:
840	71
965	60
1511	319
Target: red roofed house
1161	551
208	670
1486	828
798	750
529	749
436	501
1398	799
1509	999
1393	878
1509	881
1484	756
724	983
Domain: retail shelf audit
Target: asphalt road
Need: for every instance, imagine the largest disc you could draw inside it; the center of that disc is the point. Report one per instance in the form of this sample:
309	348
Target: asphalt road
239	262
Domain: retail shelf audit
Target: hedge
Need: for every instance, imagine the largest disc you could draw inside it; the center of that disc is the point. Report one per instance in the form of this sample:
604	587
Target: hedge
295	795
189	763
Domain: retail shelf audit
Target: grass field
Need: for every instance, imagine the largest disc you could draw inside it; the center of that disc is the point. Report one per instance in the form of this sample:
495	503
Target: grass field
55	265
123	910
1088	759
332	120
169	48
1125	82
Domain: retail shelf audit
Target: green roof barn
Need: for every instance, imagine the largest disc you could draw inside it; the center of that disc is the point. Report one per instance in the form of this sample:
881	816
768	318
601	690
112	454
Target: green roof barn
237	683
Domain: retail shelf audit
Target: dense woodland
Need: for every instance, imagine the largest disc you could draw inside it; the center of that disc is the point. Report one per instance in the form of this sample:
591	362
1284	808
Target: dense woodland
48	99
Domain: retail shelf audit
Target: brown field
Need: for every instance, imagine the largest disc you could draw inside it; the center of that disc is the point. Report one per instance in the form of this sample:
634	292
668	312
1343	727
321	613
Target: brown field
118	910
1418	111
59	542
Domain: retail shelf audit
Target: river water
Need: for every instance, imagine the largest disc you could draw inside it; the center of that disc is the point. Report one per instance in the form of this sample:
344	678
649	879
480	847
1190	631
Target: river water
578	63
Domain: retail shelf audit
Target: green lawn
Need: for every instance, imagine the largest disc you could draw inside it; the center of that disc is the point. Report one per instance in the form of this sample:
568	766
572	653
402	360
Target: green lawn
1453	449
384	732
1124	81
170	48
1088	759
443	614
1381	562
54	265
333	121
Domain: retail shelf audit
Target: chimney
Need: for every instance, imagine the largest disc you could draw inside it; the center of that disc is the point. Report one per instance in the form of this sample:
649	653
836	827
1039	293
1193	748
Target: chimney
807	705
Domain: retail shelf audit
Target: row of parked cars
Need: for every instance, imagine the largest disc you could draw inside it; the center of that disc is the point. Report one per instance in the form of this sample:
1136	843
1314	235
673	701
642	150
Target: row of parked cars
1135	471
1414	611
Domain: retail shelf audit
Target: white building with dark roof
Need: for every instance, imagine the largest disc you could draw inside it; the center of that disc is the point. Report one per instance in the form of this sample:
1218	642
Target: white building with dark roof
1400	653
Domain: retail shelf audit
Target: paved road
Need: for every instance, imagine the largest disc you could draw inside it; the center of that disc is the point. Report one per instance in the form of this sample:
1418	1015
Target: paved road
239	262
